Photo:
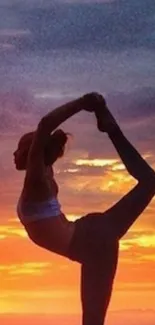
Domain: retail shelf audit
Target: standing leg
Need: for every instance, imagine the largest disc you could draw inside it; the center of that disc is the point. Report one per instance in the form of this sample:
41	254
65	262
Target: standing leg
97	278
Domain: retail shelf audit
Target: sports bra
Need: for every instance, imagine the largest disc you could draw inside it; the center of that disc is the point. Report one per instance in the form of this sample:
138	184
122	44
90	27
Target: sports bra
33	211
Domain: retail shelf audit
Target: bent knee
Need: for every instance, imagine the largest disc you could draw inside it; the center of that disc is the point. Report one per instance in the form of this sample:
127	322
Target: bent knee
148	179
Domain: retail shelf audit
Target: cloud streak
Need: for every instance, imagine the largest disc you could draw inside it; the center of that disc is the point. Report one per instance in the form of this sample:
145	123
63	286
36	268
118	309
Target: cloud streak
110	25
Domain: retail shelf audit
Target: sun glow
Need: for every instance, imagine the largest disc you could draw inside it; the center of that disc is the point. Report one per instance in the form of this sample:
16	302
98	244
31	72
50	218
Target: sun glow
96	162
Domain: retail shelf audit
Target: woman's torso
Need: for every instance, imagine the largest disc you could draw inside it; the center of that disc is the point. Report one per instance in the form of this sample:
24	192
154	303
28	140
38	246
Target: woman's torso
53	232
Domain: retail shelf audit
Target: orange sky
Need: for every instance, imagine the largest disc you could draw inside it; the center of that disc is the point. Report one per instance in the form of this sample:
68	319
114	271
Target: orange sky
34	280
52	52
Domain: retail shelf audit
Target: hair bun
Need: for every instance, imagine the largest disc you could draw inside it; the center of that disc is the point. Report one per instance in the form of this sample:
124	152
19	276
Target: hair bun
59	137
55	146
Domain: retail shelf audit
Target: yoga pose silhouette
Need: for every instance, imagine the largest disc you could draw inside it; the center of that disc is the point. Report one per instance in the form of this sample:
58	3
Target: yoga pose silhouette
93	240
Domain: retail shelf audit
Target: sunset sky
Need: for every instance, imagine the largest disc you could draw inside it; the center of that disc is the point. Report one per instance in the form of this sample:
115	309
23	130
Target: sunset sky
52	52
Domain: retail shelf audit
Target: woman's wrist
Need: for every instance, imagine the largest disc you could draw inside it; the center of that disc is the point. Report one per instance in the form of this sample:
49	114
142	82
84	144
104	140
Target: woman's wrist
81	103
75	106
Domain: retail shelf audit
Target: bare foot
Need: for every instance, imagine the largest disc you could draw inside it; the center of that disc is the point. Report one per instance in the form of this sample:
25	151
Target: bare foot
105	120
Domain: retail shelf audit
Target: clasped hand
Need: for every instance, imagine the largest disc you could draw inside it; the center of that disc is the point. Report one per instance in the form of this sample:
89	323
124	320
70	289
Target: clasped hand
92	101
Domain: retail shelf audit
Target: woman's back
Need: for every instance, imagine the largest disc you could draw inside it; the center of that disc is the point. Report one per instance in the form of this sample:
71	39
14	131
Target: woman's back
43	220
38	206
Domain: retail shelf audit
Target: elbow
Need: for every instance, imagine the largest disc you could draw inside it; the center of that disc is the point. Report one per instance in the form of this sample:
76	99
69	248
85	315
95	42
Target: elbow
42	124
45	125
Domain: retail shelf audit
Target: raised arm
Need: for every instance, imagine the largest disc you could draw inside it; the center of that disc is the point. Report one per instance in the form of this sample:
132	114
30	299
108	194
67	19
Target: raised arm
36	169
60	114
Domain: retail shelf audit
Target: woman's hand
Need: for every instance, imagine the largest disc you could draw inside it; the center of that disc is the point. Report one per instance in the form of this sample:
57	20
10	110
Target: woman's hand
93	100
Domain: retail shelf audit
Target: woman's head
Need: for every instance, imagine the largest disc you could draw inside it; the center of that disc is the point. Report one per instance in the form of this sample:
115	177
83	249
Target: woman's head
53	150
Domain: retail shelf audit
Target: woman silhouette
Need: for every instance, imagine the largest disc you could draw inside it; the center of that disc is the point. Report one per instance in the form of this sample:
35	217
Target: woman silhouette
93	240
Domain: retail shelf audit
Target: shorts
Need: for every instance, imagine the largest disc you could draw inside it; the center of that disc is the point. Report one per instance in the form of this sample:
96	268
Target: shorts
93	240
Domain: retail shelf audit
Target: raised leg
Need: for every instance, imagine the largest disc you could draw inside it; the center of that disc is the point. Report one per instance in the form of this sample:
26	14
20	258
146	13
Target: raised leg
134	163
126	211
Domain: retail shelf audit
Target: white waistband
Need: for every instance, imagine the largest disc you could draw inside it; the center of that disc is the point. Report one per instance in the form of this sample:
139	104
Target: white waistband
29	212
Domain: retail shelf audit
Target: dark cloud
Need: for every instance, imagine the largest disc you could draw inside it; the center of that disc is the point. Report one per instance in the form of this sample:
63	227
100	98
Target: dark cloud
135	113
35	78
114	26
136	105
15	112
20	112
